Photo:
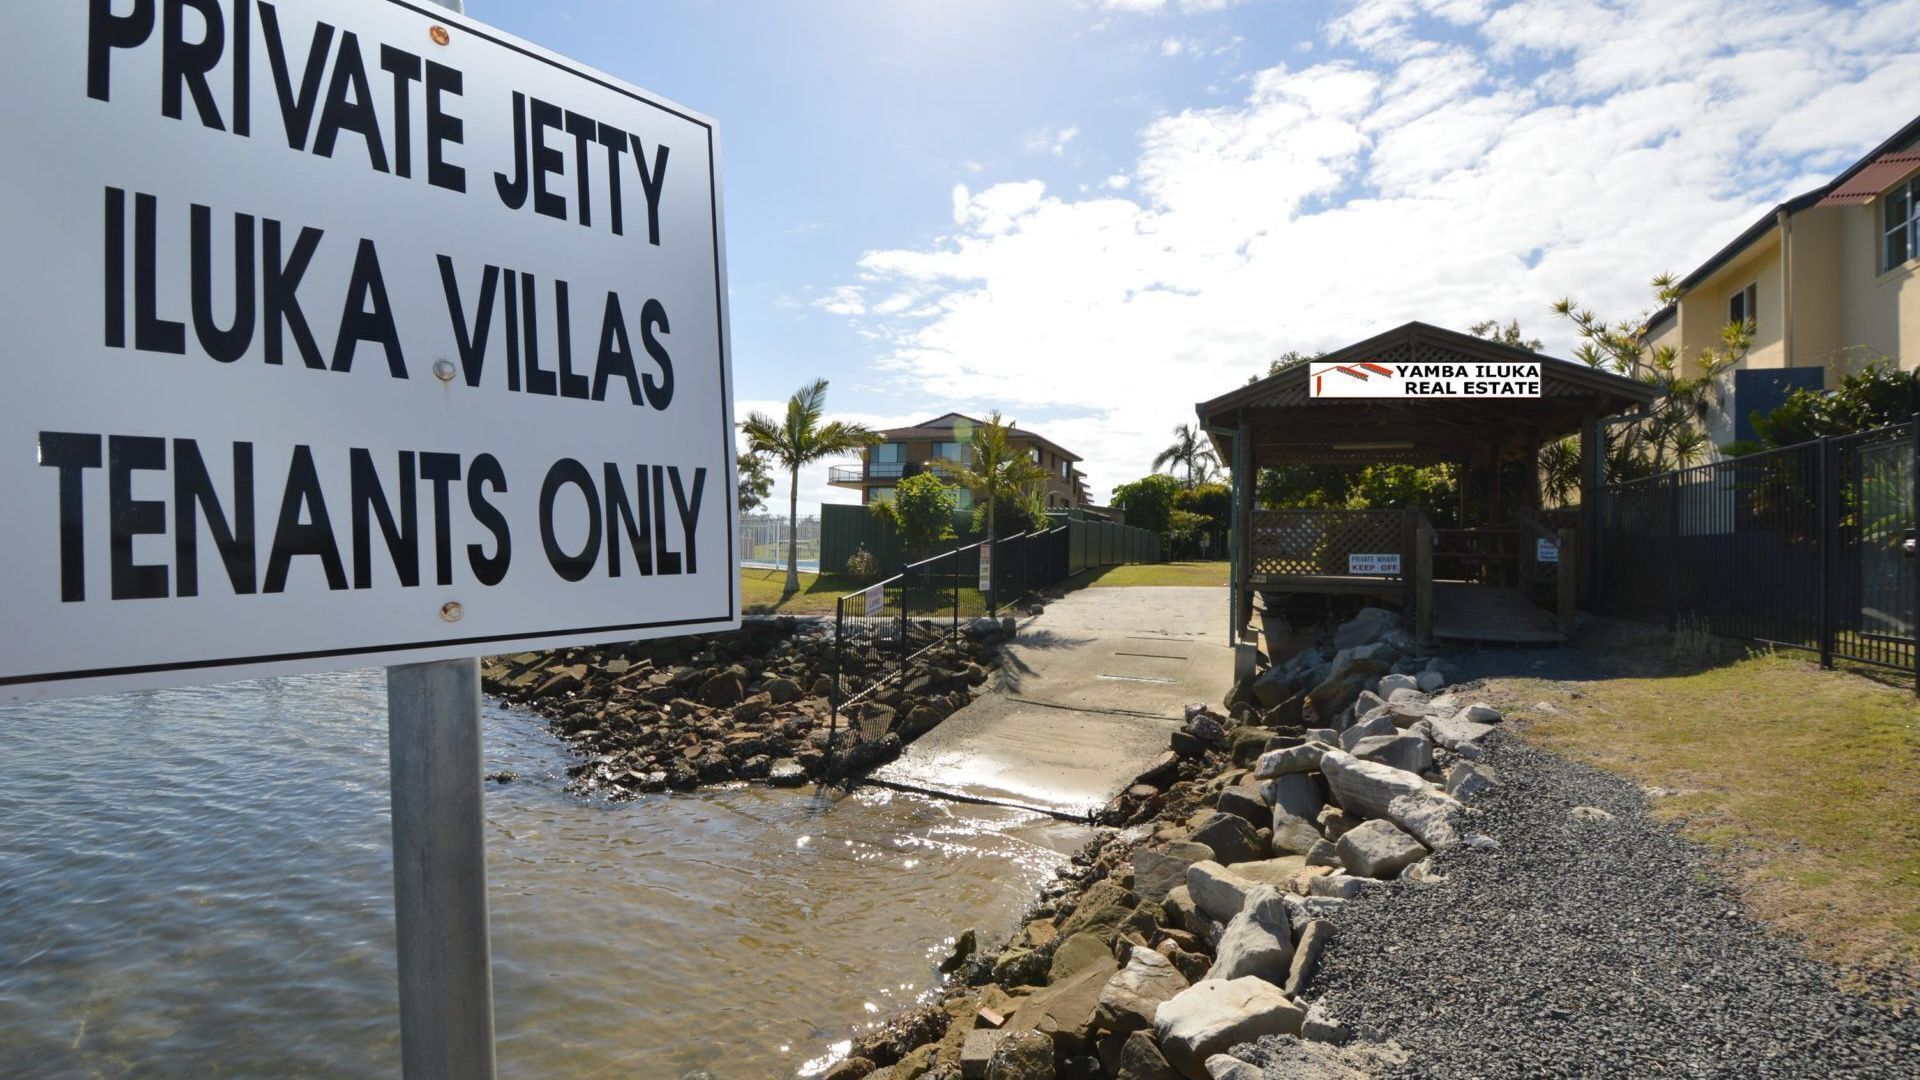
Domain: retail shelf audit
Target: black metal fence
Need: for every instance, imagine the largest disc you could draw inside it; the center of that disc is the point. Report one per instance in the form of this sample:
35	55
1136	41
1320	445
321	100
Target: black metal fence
883	633
1805	547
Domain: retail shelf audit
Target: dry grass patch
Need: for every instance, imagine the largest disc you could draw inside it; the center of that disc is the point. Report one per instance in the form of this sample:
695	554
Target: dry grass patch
1808	780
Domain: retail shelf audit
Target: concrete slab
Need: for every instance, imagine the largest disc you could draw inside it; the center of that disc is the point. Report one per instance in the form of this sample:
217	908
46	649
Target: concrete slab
1089	694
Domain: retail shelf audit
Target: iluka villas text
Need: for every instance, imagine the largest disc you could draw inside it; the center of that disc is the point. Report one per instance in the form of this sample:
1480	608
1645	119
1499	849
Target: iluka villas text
270	259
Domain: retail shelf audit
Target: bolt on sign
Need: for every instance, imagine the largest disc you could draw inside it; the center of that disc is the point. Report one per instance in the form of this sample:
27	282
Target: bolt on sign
1376	379
347	334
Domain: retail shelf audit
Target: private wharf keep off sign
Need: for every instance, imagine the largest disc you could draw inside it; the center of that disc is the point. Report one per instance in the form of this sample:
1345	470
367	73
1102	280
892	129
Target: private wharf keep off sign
347	334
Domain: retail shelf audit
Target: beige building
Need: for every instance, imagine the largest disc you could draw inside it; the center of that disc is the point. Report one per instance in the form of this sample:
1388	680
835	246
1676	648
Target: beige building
1828	279
909	451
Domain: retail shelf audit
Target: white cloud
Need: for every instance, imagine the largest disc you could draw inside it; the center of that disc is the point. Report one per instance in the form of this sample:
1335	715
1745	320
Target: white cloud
960	201
1050	140
844	300
1150	7
1434	176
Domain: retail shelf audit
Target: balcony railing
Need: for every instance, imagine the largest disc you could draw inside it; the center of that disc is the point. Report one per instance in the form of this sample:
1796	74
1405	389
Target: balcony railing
874	470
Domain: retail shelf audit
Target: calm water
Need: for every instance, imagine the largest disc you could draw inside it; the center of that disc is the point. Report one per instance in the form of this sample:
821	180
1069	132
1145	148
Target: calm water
196	883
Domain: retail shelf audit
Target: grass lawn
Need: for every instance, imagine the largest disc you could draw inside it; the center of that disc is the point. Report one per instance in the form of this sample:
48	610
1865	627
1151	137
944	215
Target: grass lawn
1171	573
760	590
1808	780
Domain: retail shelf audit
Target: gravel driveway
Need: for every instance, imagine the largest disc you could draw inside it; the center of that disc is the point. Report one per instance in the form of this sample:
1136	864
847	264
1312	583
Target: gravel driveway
1595	946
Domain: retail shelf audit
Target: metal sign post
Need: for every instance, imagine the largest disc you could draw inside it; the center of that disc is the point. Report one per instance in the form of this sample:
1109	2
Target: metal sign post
440	871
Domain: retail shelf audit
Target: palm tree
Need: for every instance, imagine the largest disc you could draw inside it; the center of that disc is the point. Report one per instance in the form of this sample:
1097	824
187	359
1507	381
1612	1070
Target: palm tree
1189	449
995	471
801	439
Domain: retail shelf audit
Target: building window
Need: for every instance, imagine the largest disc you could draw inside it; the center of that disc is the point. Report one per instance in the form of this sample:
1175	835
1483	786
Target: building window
1744	306
1066	470
962	499
1902	222
888	452
880	494
949	451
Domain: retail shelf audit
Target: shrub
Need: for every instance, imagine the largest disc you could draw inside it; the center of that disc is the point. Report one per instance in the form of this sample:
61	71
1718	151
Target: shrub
863	565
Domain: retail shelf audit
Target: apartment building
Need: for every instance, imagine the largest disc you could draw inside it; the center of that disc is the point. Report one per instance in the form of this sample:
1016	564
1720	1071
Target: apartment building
912	450
1827	278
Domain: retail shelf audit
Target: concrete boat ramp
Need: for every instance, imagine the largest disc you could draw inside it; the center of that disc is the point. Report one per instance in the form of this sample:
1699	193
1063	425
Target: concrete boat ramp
1089	694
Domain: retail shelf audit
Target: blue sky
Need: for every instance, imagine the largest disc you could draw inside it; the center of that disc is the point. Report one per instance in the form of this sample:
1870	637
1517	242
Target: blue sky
1093	213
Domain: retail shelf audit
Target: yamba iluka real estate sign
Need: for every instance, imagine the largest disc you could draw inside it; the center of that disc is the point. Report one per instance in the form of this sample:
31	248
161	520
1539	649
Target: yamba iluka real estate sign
344	334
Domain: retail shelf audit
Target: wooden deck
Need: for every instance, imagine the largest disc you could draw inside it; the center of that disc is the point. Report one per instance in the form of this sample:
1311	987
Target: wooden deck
1463	612
1341	584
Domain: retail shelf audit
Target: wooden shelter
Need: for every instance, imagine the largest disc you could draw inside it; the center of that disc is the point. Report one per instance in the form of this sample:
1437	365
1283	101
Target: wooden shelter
1479	581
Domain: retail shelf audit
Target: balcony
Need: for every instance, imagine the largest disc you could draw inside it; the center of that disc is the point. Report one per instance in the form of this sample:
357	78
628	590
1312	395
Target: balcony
874	472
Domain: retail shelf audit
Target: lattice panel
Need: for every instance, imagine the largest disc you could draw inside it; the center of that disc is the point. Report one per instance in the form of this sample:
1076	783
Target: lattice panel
1299	543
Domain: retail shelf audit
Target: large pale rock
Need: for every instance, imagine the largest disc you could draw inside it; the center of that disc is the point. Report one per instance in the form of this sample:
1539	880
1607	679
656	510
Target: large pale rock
1022	1055
1214	1015
1232	838
1306	955
1104	909
1271	871
1390	683
1402	798
1365	628
1296	793
1469	778
1140	1059
1409	752
1379	722
1131	996
1456	733
1158	871
1217	891
1242	801
1228	1067
1077	954
1428	816
1378	849
1292	759
1067	1011
1366	787
1293	835
1480	713
1430	680
1259	940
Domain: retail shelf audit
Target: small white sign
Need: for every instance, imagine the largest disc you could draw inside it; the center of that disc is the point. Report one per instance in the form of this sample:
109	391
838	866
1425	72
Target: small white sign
422	358
1385	562
1546	551
986	567
876	600
1373	379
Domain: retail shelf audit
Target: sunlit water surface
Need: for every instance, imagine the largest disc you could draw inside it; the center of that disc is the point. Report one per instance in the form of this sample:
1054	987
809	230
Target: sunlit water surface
197	883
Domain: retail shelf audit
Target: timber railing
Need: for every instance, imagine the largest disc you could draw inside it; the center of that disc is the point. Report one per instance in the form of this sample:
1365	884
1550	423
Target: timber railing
1320	543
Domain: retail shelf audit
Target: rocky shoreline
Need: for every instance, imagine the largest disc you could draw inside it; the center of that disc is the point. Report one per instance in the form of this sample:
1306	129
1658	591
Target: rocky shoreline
679	713
1196	925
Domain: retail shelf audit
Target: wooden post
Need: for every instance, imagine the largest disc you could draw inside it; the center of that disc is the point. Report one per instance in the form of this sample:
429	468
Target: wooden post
1243	456
1565	579
1423	581
1493	486
1592	470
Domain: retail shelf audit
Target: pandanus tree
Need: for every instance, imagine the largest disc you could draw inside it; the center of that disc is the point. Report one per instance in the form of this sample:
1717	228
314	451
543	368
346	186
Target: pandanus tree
1190	450
797	440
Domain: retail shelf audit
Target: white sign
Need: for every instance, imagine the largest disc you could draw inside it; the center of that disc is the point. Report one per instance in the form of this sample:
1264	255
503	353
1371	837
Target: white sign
1373	379
986	568
876	600
1387	562
1546	550
343	334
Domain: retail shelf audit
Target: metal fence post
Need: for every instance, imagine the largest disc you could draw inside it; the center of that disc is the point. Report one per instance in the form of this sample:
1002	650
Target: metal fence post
833	689
953	573
1824	493
1673	550
906	585
1913	569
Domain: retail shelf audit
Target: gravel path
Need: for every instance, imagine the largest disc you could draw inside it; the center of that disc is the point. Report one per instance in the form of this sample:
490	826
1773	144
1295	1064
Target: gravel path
1588	948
